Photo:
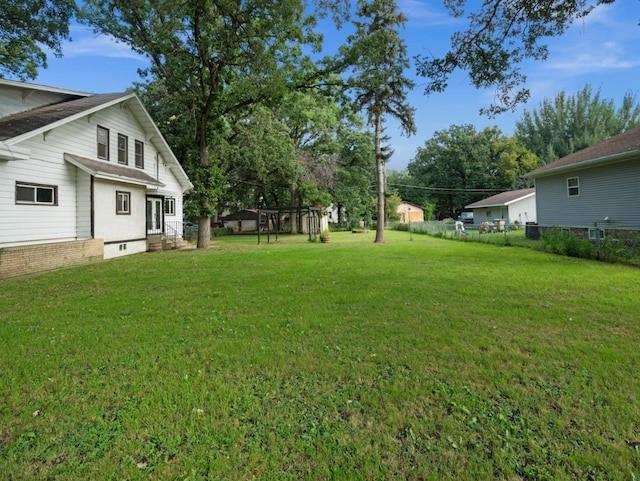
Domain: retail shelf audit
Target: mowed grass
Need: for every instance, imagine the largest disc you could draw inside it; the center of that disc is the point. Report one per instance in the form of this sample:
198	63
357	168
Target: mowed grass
422	359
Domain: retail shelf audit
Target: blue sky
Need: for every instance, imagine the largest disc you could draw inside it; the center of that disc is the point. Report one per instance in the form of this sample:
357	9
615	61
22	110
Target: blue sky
601	49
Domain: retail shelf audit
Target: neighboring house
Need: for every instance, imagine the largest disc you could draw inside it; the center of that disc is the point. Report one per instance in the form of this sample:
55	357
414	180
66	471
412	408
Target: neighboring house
410	212
245	220
82	177
596	185
512	206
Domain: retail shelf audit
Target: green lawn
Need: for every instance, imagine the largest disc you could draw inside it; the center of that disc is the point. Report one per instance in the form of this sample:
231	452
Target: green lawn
422	359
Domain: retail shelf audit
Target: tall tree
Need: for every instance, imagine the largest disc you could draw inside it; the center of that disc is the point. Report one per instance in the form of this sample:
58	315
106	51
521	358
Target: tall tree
314	119
379	57
570	123
259	160
28	26
213	58
500	36
353	193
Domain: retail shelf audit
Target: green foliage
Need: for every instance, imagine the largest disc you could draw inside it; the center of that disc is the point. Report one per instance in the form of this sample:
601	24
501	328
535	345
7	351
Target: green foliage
210	61
27	30
352	191
568	244
501	35
393	201
259	160
570	123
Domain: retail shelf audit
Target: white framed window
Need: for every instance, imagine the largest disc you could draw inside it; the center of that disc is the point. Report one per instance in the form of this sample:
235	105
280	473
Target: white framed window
594	232
139	154
170	206
123	149
573	187
36	194
123	202
103	143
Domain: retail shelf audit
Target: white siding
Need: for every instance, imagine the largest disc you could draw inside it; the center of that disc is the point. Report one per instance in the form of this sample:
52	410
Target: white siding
71	218
114	227
22	223
83	204
523	210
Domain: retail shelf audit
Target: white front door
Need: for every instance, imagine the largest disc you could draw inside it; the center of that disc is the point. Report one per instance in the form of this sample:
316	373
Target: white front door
154	215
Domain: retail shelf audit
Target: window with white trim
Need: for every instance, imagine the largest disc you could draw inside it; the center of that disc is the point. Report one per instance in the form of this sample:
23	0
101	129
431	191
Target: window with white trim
139	154
594	233
573	187
103	143
36	194
170	206
123	202
123	149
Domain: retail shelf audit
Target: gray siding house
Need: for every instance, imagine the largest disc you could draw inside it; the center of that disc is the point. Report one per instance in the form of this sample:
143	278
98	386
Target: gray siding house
595	187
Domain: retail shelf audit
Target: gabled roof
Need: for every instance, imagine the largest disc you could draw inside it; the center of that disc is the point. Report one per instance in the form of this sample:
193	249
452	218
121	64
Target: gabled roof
23	125
619	147
404	202
503	199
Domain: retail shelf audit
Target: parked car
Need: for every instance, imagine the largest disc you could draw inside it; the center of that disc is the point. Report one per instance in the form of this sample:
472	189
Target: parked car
466	217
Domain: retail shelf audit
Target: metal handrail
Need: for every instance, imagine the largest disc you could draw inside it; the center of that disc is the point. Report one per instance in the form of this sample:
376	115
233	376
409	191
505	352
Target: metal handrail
172	230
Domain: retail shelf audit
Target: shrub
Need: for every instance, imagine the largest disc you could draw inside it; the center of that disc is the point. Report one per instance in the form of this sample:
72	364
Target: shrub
568	244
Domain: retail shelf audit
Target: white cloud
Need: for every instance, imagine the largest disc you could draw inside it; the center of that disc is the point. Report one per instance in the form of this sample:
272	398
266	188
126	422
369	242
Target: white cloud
419	13
586	63
87	43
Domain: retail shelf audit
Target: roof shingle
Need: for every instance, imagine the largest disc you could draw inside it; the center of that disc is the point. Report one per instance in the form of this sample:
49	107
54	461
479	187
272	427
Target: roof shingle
625	142
503	198
30	120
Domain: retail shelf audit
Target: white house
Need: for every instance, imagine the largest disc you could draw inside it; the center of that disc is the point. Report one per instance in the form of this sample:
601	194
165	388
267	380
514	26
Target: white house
515	205
82	177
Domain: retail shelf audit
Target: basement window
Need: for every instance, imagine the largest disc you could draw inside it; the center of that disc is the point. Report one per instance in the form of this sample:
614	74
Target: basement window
593	234
36	194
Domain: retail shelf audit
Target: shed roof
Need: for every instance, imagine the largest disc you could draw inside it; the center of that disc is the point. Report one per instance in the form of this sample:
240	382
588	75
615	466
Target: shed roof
618	147
504	198
109	171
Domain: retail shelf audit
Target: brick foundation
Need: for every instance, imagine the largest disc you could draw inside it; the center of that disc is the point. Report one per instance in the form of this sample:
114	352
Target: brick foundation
22	260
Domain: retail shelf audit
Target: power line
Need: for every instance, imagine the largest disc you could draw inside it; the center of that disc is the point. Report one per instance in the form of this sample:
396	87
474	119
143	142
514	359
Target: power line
445	189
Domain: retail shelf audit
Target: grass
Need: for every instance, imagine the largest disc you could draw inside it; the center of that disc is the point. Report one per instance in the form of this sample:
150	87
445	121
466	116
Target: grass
422	359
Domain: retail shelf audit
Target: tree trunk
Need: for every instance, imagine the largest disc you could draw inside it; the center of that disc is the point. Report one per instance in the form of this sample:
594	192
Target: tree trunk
380	181
204	223
293	216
